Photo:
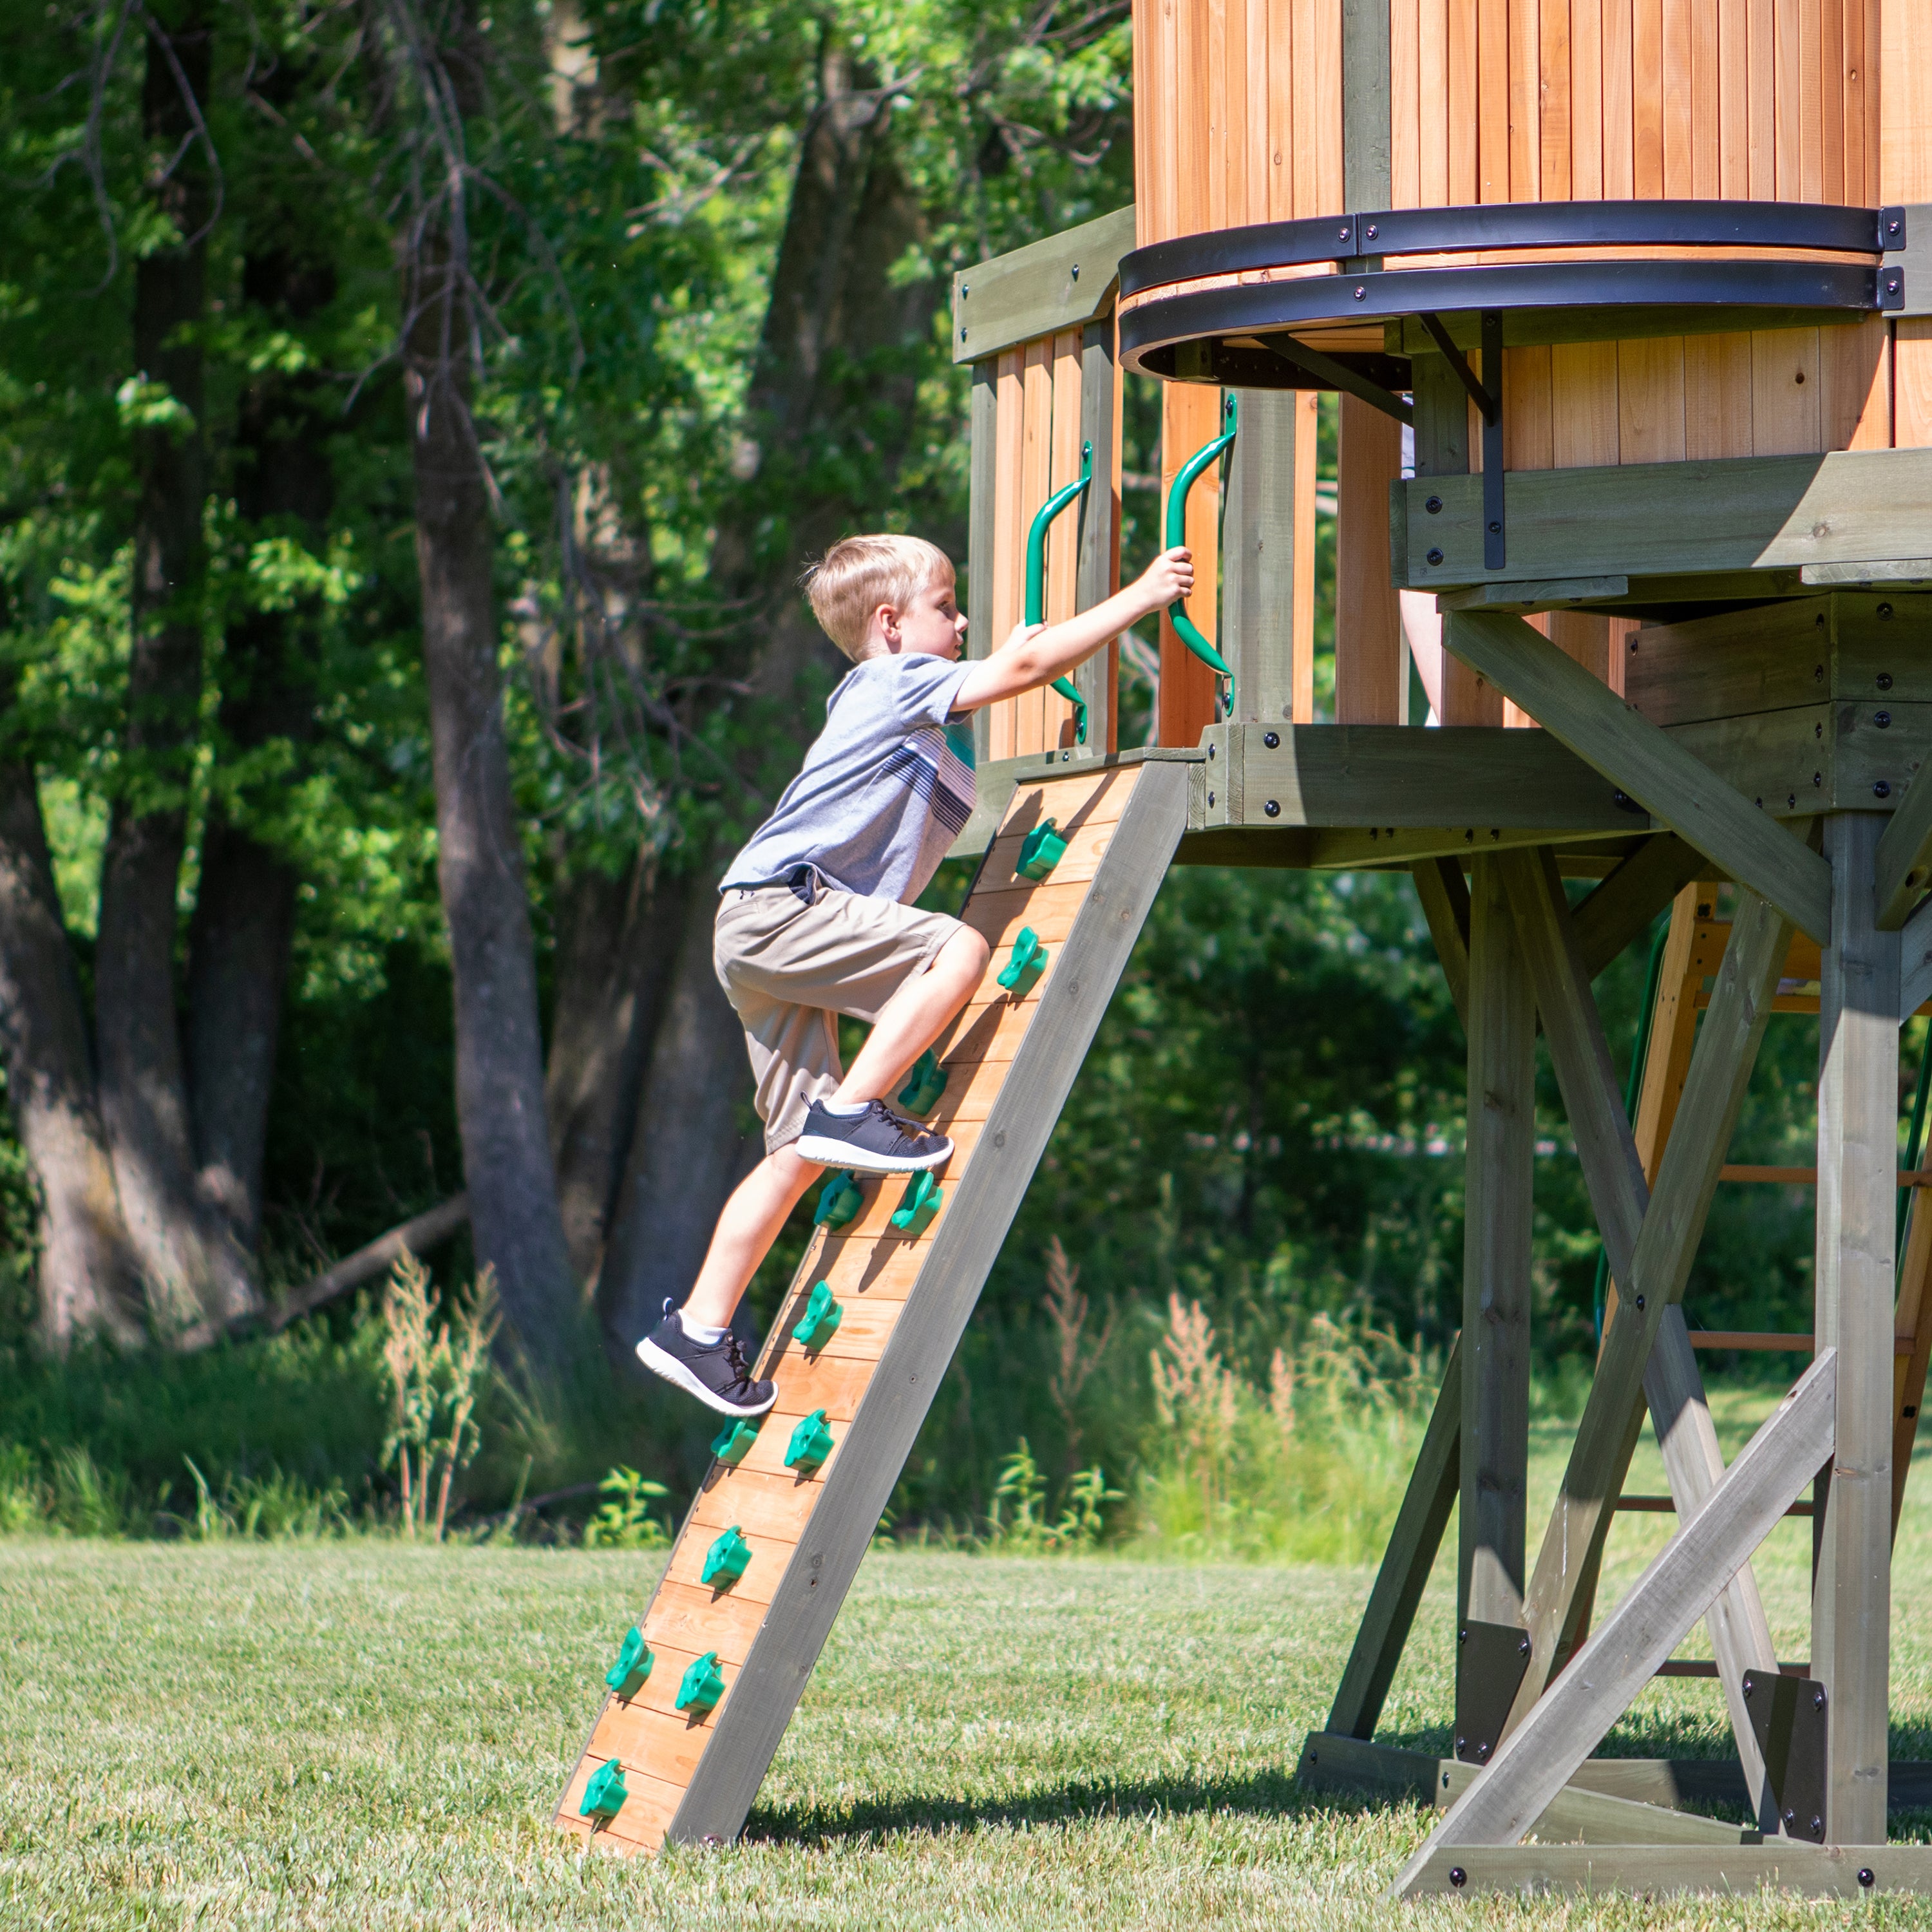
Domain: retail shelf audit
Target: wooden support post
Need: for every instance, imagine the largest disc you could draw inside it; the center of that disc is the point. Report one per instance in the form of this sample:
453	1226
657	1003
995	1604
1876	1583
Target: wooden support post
1190	415
1720	1065
1371	664
1857	1138
1904	859
1535	1762
1445	905
1501	1154
1620	909
1671	783
1098	570
1257	578
982	486
1915	962
1398	1584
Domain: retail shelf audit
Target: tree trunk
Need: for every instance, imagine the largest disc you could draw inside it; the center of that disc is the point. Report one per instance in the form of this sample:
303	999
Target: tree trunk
191	1264
616	943
838	369
689	1148
500	1071
88	1278
245	910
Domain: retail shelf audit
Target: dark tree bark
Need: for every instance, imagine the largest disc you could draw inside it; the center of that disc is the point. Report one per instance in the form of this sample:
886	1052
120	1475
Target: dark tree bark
191	1264
837	370
88	1279
616	943
245	910
500	1069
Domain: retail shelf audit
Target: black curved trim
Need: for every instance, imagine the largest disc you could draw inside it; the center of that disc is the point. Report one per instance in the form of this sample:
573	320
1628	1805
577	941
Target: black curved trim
1528	224
1254	308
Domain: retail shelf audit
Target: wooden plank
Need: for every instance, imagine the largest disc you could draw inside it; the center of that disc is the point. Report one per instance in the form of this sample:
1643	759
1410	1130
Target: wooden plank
1326	92
1371	666
1552	37
1404	113
1687	1178
1784	391
1911	1341
1717	396
1492	100
1655	1871
1672	784
1584	405
1098	569
1445	907
1036	360
1855	386
1461	118
1619	103
1903	866
1496	1260
1704	128
1062	281
1404	1574
1212	17
1307	428
1010	534
1535	1761
1857	1138
1190	417
1366	95
1431	34
1258	574
965	1241
980	538
1650	404
1915	963
1620	910
1754	513
1524	57
1647	77
1063	556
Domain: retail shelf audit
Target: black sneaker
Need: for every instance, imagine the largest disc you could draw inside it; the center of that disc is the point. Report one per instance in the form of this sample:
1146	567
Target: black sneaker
877	1141
717	1373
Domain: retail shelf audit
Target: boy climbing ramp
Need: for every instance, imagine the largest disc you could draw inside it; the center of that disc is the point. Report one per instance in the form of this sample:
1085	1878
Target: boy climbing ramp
816	917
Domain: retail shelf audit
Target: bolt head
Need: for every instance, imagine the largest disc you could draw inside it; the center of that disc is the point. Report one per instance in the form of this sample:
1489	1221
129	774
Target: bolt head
1867	1877
1639	1304
1435	556
1818	1700
1343	234
1482	1752
1272	739
1360	291
1522	1648
1880	789
1817	1823
1210	798
1885	680
1458	1877
1885	611
1076	271
1372	231
1882	719
1495	529
1272	807
1434	506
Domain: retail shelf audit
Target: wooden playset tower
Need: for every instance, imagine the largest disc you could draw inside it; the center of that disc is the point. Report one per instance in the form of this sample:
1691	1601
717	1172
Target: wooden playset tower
1635	363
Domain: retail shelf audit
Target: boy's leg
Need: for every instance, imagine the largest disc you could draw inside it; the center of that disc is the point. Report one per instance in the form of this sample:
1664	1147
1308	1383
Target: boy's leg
746	1230
914	1017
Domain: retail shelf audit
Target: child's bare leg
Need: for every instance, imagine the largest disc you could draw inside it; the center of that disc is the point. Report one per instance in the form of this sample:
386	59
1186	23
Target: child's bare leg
746	1230
914	1017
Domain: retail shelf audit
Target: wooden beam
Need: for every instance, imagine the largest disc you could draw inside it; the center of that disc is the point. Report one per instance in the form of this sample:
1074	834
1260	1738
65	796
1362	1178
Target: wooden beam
1721	1061
1904	859
1063	281
1858	1140
1445	905
1535	1762
1496	1258
1671	783
1915	962
859	1481
1099	536
1650	1871
1621	910
1412	1545
982	476
1638	519
1258	572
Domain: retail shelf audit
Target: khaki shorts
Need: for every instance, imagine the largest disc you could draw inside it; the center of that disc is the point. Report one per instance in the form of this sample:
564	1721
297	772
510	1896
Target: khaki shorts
790	969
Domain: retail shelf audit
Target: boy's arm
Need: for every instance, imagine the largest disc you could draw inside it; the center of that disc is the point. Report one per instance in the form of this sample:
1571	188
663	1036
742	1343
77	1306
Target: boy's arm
1029	658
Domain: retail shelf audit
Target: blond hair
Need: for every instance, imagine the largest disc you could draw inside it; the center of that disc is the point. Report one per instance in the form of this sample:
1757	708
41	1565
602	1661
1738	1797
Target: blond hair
859	574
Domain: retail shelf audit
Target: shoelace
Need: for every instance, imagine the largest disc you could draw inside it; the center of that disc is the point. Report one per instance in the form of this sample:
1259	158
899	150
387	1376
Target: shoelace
734	1353
906	1130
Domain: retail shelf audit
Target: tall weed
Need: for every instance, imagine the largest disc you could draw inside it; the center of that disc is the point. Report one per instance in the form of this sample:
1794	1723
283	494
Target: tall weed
1310	1469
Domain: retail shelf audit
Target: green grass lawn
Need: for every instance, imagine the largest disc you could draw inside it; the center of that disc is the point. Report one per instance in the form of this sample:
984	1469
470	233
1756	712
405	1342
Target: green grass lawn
366	1734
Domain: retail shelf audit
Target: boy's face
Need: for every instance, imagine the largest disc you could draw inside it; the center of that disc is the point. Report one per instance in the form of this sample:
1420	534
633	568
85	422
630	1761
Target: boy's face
931	622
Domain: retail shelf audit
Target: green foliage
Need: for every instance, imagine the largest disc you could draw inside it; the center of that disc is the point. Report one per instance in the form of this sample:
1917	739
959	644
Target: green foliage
625	1519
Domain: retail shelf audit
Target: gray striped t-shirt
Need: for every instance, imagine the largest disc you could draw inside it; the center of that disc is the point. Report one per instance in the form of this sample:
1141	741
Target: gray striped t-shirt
884	791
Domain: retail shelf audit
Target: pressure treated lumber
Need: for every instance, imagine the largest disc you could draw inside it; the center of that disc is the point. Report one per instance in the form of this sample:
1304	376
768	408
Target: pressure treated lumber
1400	1582
1533	1764
1651	1871
1673	1222
1063	281
1904	862
1858	1137
1622	909
1445	905
1669	782
1915	963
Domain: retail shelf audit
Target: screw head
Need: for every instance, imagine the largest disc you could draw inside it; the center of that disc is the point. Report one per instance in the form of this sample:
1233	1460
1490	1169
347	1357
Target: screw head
1482	1751
1791	798
1522	1648
1867	1877
1272	739
1435	557
1458	1877
1434	506
1791	1817
1372	231
1885	680
1818	1699
1639	1304
1817	1824
1210	798
1885	611
1272	807
1343	234
1462	1635
1495	529
962	335
1817	778
1360	291
1882	719
1751	1684
1892	285
1880	789
1076	271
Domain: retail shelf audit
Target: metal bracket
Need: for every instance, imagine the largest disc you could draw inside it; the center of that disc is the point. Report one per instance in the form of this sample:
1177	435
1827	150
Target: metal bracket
1490	1660
1334	375
1787	1716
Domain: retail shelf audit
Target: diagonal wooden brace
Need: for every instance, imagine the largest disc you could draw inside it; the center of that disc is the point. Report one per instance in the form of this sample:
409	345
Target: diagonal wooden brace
1613	1173
1535	1762
1672	783
1653	1275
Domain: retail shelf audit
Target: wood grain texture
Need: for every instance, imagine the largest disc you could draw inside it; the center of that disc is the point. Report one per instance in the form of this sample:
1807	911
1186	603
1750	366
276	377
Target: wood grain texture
1009	534
1371	667
1536	1760
1259	574
1190	416
981	541
1651	1871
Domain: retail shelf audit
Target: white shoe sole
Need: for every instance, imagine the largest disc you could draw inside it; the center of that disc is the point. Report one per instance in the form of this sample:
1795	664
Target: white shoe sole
824	1153
661	1363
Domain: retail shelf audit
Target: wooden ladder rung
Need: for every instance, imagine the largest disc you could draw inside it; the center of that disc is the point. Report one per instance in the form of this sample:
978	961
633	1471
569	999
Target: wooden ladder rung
1702	1666
1665	1506
1769	1341
1808	1176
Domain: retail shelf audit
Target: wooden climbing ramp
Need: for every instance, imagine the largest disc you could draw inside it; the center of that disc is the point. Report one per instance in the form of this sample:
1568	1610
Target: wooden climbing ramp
690	1766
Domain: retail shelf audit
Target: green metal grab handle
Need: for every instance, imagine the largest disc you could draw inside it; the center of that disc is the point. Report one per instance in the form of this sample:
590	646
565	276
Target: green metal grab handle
1176	534
1036	575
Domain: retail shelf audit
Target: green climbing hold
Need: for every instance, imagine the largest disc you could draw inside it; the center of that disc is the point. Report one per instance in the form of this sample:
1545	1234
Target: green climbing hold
821	1318
604	1796
732	1442
921	1201
1040	851
924	1084
1028	963
838	1200
726	1557
626	1676
810	1443
703	1685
